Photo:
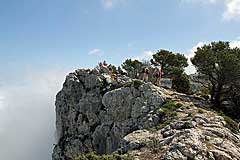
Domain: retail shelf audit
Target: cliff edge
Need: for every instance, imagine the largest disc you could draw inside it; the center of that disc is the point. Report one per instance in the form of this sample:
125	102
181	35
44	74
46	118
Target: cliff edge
97	114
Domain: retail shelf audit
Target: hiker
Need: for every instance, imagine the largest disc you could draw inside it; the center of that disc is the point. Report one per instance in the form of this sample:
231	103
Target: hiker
104	67
105	63
157	72
111	72
157	75
100	65
145	73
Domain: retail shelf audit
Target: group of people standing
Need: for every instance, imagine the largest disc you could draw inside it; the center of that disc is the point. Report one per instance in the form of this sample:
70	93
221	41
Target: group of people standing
105	68
156	74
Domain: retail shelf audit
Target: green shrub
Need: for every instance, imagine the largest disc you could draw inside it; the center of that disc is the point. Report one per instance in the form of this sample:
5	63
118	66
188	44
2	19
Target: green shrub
94	156
230	123
137	83
169	108
168	112
164	124
182	84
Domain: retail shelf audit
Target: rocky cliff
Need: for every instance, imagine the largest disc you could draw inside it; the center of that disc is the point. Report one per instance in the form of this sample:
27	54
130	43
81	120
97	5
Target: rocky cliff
96	113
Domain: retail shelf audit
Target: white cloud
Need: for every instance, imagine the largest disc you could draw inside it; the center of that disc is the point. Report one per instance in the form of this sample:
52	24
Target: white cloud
232	7
235	43
191	69
108	4
146	55
95	51
27	115
192	51
232	10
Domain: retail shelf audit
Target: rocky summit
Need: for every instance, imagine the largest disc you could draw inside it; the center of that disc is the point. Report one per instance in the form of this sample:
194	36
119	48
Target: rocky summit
95	113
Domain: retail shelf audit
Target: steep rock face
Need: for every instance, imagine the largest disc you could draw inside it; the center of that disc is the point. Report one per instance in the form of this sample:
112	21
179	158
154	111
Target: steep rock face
94	113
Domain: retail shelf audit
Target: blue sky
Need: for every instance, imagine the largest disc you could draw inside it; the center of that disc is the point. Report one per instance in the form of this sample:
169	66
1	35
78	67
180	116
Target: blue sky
42	40
43	33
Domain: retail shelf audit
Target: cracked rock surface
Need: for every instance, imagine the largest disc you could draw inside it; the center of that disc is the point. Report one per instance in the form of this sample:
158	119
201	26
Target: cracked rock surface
95	113
201	135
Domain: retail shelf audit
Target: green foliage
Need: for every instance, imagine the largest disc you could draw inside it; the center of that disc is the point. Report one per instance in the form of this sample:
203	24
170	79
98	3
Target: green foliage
218	67
175	72
133	67
234	96
230	123
181	83
171	62
168	111
164	124
137	83
119	70
204	93
171	106
93	156
173	65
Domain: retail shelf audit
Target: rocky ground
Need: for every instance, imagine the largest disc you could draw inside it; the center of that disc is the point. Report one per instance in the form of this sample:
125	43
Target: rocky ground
94	113
195	133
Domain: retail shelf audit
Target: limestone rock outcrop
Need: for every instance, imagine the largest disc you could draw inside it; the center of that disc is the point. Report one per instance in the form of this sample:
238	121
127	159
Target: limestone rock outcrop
194	134
96	113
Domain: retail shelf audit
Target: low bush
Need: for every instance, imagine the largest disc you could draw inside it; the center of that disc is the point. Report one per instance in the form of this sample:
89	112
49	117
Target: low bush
169	109
94	156
230	123
182	84
168	113
137	83
164	124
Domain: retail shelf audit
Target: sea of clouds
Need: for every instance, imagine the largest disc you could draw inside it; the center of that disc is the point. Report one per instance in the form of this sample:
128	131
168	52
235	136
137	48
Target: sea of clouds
27	115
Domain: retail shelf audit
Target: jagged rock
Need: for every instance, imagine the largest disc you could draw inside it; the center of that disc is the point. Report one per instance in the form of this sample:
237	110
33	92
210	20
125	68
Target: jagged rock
213	141
96	113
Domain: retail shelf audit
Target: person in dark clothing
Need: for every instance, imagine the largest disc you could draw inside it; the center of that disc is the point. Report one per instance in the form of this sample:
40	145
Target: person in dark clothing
145	74
157	76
